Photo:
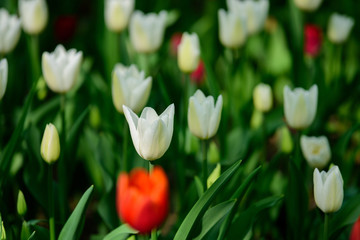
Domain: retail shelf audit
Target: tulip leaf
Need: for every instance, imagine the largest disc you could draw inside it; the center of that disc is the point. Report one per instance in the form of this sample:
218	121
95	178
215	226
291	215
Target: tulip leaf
240	192
244	221
199	186
73	226
75	127
213	216
203	203
121	233
10	147
32	236
211	79
346	216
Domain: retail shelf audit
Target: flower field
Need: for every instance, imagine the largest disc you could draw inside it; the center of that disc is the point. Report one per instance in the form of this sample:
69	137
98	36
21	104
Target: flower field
233	119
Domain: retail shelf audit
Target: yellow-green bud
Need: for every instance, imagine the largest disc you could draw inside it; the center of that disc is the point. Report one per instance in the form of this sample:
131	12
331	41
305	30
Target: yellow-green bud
3	233
213	154
21	204
215	174
50	144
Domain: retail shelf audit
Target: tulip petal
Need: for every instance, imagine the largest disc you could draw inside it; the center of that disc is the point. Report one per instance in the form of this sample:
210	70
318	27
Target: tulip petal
215	118
132	120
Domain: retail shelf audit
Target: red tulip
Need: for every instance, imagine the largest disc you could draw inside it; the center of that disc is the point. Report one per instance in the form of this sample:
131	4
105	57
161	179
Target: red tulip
65	27
142	199
312	40
198	76
174	43
355	232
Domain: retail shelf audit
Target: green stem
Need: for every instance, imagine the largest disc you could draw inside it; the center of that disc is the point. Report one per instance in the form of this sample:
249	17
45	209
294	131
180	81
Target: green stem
204	163
125	166
151	167
154	234
51	203
298	149
326	226
62	163
264	135
34	57
123	54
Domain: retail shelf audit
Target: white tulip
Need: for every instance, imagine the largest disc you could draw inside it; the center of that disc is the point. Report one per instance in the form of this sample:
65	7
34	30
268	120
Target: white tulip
3	76
339	27
203	115
117	14
147	31
308	5
151	134
34	15
189	52
10	27
316	150
232	28
328	189
300	106
262	96
255	12
130	88
50	144
60	68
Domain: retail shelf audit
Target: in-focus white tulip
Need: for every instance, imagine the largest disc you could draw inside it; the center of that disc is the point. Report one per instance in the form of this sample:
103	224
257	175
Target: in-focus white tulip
117	14
3	77
50	144
147	31
328	189
203	115
60	68
232	28
130	88
33	15
262	96
339	27
300	106
189	52
151	134
10	27
255	13
316	150
308	5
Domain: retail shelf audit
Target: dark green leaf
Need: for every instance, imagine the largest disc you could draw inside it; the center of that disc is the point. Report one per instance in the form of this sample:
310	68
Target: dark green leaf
73	226
203	203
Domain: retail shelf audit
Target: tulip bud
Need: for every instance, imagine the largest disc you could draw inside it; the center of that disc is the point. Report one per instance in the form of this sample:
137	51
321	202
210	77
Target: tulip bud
255	13
9	31
262	96
147	31
3	76
328	189
355	231
142	199
50	144
60	68
34	15
21	204
130	88
232	28
189	52
203	115
213	154
285	142
308	5
151	134
214	175
312	40
316	150
117	14
339	28
300	106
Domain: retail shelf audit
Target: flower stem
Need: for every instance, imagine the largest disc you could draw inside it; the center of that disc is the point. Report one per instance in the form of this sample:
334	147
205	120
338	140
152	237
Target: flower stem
34	56
151	167
62	162
154	234
326	226
51	203
125	145
204	163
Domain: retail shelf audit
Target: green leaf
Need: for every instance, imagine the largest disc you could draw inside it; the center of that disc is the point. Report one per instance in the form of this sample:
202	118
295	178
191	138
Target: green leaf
32	236
213	216
244	221
75	127
199	186
73	226
237	195
203	203
121	233
211	79
346	216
